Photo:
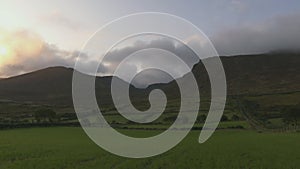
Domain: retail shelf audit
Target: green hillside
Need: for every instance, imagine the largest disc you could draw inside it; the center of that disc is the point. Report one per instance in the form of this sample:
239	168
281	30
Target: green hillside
260	88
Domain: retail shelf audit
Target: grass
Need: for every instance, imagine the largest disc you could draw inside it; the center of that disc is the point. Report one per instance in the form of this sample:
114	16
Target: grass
69	148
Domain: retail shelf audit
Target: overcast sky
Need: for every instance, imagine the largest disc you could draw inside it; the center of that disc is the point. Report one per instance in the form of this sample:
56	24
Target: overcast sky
36	34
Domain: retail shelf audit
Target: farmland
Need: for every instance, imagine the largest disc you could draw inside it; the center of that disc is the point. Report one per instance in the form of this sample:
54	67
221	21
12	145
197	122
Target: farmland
69	147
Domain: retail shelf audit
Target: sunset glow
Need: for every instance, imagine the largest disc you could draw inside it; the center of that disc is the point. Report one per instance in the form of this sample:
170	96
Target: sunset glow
3	51
37	34
4	54
18	46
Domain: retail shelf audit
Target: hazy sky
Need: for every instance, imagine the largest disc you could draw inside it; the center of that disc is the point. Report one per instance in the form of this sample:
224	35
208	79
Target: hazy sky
35	34
60	22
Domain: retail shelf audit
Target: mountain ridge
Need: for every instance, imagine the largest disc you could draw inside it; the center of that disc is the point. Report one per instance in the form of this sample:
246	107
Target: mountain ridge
245	74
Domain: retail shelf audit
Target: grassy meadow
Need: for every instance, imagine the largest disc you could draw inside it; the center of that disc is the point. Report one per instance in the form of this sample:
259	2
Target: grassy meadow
70	148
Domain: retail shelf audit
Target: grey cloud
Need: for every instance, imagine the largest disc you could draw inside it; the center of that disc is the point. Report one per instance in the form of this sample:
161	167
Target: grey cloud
151	76
274	34
238	5
182	51
279	33
116	56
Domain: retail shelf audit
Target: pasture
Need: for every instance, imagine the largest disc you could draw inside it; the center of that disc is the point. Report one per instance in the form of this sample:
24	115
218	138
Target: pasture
70	148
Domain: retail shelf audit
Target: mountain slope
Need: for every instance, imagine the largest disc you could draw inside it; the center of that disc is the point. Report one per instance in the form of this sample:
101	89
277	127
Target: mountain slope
257	74
45	85
48	86
252	74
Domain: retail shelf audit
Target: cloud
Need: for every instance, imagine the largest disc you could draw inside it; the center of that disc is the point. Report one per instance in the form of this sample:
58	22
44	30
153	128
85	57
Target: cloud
57	18
17	42
159	59
26	51
238	5
114	57
278	33
151	76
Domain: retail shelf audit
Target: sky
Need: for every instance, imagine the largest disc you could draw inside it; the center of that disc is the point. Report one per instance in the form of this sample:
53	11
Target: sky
36	34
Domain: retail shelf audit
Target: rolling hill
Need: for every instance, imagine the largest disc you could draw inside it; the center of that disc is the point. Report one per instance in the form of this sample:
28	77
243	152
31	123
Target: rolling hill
51	86
248	75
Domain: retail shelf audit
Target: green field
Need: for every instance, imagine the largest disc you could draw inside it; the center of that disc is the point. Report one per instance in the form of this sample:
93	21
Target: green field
69	147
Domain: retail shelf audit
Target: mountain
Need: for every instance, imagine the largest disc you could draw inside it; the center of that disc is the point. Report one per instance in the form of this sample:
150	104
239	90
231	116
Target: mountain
258	74
47	85
252	75
51	86
247	74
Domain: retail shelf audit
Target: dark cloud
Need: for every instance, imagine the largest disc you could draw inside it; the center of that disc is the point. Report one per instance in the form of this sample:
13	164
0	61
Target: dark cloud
279	33
113	59
180	50
151	76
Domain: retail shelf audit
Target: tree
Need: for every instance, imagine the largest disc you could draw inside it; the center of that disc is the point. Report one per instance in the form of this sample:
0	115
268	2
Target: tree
224	118
201	118
291	116
45	115
235	118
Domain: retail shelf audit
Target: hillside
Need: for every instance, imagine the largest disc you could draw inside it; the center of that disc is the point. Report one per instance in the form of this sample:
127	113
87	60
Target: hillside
257	74
51	86
248	75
